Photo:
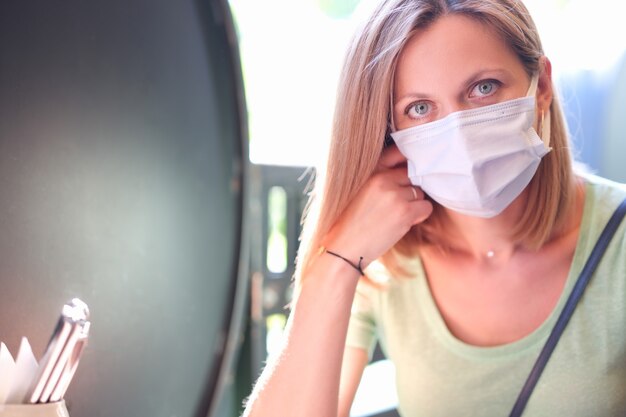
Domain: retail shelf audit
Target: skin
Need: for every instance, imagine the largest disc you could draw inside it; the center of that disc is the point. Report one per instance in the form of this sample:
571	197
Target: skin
480	298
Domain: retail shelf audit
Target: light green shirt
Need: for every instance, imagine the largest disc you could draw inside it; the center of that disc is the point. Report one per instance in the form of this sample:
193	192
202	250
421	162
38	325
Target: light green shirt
439	375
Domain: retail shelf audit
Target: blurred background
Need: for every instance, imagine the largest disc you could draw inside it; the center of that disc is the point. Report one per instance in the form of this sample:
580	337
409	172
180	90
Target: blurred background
154	157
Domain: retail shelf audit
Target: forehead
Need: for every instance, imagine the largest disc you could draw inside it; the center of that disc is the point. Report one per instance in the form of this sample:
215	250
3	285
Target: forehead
450	49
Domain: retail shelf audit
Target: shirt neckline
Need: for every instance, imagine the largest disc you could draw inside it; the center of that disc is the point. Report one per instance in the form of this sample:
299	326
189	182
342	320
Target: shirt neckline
533	339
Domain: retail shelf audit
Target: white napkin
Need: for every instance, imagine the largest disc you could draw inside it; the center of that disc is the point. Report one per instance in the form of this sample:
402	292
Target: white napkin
16	376
7	369
25	370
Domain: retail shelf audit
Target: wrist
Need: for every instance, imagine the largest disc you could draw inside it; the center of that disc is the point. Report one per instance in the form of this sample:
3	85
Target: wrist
357	265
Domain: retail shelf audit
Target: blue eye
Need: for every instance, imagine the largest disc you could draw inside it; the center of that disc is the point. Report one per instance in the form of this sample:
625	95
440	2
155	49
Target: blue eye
417	110
484	88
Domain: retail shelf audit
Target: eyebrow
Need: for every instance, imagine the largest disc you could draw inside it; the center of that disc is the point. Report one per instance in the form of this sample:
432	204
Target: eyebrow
476	76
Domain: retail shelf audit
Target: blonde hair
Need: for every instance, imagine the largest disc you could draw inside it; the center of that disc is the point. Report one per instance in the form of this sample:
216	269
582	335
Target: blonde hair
362	116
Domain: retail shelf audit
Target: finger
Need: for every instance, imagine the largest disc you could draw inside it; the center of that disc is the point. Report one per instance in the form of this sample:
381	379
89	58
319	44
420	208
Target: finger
422	209
391	157
414	193
398	175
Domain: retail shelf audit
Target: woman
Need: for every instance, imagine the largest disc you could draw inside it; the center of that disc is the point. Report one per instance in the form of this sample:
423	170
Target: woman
471	256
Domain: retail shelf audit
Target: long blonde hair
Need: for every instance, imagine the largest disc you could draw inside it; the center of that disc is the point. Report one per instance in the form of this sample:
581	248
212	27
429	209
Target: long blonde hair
362	116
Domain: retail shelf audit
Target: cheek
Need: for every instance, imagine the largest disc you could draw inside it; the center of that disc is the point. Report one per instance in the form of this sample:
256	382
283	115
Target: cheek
402	122
397	120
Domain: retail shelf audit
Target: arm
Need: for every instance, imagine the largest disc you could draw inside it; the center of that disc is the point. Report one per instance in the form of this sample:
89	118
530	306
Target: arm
354	362
303	379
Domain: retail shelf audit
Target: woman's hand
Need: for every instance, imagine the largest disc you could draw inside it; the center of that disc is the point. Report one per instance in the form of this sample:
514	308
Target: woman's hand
382	212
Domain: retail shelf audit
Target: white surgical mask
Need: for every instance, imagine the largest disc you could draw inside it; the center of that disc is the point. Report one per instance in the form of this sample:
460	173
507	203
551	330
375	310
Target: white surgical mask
476	162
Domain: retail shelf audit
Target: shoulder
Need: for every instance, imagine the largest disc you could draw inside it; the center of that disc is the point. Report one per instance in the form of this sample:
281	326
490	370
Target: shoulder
602	198
603	193
381	287
384	281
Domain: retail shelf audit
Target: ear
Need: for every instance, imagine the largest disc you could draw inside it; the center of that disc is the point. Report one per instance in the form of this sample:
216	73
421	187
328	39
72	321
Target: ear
544	85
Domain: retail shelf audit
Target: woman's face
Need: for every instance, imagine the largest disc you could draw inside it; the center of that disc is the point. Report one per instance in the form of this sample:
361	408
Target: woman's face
455	64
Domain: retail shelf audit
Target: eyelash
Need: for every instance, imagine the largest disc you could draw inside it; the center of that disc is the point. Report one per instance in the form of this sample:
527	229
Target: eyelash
496	86
413	105
495	83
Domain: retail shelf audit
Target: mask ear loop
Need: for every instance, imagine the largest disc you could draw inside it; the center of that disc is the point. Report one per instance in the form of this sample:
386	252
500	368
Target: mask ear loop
532	88
545	122
545	128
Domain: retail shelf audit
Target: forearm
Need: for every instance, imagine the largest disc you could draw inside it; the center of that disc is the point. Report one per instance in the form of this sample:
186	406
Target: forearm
303	379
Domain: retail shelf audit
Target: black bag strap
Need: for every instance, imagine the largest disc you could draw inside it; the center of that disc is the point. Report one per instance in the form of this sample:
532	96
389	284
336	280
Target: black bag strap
570	305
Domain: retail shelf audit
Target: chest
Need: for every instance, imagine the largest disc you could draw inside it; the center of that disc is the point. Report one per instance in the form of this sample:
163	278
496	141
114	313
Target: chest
437	375
570	386
488	305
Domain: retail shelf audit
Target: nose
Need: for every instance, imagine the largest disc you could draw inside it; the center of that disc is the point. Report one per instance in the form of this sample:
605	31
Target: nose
451	106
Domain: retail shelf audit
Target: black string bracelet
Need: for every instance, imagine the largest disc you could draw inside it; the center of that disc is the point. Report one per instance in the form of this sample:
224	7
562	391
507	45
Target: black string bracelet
352	264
